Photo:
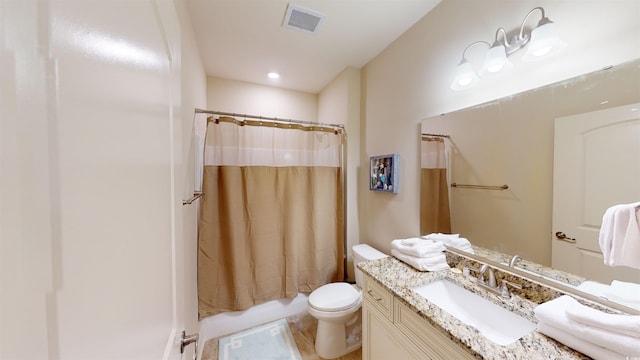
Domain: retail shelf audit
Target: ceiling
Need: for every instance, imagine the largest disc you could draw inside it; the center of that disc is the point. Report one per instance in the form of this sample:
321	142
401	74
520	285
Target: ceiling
244	39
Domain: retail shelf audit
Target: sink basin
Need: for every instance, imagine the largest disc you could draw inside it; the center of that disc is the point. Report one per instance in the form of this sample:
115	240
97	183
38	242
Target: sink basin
494	322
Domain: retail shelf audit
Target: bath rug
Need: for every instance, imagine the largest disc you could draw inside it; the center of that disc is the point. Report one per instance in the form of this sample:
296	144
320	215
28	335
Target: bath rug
272	341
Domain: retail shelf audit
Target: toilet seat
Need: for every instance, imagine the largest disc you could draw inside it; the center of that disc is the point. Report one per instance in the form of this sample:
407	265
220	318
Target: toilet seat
335	297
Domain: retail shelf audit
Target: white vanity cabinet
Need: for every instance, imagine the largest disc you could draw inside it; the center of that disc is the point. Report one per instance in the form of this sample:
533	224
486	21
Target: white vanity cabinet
392	330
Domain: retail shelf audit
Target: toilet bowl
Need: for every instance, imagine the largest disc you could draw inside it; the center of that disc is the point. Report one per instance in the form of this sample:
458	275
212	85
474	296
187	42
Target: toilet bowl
336	306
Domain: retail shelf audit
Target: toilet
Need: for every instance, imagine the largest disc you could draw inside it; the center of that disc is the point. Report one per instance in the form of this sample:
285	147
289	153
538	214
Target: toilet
336	306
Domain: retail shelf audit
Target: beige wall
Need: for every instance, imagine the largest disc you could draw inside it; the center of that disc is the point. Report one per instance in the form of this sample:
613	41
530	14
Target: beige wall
339	103
409	81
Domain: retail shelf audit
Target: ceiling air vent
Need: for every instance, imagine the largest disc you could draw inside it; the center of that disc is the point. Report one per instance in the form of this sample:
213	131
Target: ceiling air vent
302	19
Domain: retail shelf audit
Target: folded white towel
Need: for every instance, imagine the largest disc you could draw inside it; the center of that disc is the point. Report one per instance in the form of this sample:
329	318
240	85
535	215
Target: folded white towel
627	291
410	241
467	248
419	248
440	236
621	324
619	237
448	239
585	347
594	288
433	263
554	313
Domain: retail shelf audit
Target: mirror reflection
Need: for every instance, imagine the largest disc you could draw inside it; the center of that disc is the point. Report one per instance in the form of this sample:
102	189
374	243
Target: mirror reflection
509	197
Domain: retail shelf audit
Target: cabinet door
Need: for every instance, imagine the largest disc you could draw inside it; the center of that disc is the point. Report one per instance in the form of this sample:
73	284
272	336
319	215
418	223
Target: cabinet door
430	339
379	338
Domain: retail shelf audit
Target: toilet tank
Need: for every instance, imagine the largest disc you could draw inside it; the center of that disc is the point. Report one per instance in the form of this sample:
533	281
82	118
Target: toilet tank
364	252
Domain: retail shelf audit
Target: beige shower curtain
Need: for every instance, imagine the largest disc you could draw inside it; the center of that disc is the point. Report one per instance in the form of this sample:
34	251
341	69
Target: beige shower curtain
434	190
271	222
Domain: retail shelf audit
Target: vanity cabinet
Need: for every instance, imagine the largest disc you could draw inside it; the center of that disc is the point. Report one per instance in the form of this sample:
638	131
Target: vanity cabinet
392	330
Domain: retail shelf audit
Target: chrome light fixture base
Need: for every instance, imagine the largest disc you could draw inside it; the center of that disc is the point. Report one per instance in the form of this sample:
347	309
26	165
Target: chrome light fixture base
540	43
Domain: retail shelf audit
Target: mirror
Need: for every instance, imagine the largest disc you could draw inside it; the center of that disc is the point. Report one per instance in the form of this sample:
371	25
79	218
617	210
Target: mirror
510	141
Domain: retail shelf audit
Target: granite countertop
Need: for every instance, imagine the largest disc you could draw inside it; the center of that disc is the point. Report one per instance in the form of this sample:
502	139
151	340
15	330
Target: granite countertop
399	278
565	277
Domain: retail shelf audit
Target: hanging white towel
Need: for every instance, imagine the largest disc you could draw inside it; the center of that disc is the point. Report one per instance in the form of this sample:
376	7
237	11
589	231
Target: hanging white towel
434	263
554	313
619	237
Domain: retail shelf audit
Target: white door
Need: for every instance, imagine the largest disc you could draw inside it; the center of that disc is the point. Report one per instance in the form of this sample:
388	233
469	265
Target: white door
90	185
596	165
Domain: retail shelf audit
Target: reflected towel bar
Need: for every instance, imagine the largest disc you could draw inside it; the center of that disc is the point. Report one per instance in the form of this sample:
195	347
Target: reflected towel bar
485	187
195	196
436	135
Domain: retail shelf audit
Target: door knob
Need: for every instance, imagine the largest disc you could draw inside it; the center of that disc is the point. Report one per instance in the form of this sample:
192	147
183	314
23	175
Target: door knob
562	236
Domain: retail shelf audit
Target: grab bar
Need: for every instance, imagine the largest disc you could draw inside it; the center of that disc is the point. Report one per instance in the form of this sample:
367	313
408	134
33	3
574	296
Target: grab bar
486	187
195	196
189	339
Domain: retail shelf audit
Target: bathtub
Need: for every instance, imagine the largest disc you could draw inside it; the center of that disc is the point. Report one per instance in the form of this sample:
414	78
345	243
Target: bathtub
230	322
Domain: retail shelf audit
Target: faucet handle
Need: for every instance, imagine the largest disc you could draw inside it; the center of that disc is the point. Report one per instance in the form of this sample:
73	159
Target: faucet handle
505	287
466	270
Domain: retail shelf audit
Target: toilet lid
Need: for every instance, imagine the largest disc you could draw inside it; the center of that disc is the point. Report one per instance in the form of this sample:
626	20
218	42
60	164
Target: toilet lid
334	297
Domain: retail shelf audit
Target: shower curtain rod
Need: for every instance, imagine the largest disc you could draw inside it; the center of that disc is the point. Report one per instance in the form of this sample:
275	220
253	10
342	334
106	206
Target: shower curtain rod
202	111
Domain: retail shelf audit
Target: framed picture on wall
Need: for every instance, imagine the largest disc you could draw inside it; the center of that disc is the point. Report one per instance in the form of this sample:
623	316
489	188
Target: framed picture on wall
383	172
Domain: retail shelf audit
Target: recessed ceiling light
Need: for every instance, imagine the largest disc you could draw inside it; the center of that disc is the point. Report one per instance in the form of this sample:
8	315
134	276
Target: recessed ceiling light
273	75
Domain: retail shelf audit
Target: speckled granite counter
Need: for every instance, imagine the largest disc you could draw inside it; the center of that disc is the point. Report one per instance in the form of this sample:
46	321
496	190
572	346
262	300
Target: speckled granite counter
399	278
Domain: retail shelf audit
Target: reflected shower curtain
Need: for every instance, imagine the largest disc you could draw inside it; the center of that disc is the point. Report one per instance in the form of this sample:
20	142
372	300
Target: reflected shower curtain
271	221
434	191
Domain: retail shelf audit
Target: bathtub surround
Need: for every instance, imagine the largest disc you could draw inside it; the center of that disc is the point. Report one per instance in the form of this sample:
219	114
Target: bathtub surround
271	223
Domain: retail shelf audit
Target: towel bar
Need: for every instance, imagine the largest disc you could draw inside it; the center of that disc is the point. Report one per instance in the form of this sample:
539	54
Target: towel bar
486	187
195	196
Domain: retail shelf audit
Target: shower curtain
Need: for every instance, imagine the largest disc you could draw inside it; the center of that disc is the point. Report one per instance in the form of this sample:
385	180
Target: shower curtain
434	190
271	220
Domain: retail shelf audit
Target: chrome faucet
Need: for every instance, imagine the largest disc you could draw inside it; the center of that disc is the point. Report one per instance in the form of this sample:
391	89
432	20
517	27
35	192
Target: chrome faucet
514	259
492	277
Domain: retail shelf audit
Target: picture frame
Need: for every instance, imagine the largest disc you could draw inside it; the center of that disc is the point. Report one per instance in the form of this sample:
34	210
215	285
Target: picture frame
383	173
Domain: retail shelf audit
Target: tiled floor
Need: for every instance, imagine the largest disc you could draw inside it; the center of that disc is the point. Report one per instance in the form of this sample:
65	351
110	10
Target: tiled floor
303	329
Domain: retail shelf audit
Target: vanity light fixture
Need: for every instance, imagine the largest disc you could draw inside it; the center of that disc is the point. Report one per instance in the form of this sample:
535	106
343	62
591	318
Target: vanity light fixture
541	42
273	75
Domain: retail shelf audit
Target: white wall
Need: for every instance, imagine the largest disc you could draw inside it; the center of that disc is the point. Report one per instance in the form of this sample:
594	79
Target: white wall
409	81
92	177
259	100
